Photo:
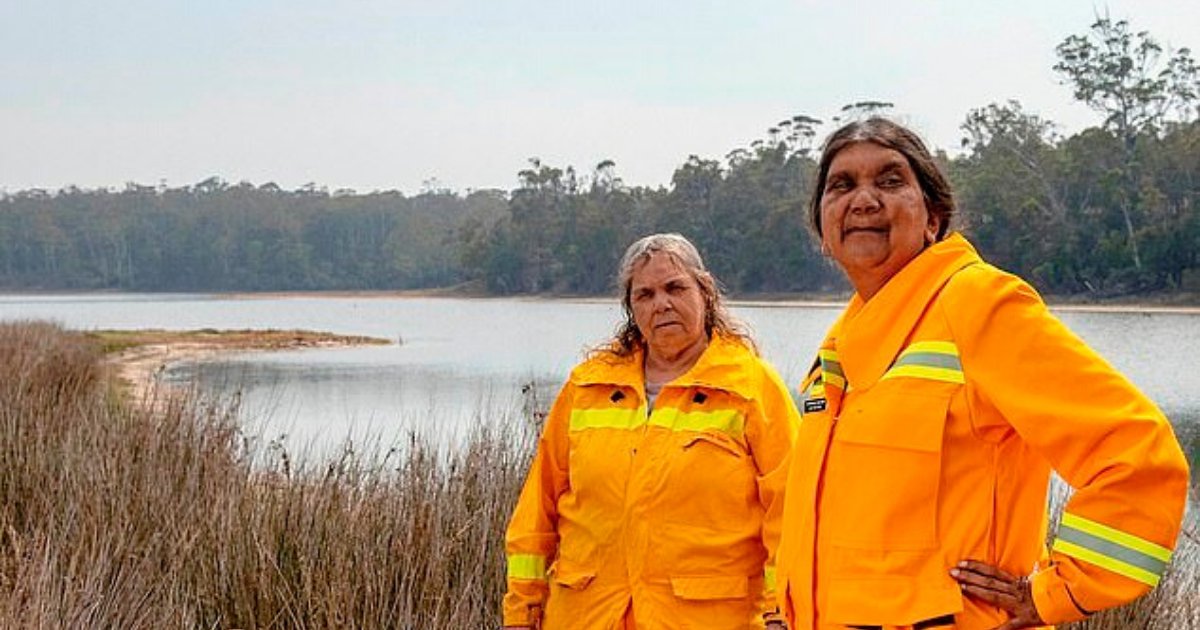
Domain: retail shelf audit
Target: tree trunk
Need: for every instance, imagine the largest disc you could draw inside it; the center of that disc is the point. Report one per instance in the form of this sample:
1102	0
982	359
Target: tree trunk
1133	248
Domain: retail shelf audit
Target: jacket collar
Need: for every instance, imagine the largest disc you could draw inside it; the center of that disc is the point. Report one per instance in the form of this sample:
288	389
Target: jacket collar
723	366
869	335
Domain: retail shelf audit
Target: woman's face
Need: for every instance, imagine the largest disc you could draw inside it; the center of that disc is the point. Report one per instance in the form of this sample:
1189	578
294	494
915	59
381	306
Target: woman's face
873	214
668	305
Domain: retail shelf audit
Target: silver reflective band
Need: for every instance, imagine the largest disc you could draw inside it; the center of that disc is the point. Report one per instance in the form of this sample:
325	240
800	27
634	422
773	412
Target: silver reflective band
930	359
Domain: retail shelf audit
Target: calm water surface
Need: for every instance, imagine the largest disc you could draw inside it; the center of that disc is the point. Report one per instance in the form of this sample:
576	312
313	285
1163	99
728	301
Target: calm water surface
454	362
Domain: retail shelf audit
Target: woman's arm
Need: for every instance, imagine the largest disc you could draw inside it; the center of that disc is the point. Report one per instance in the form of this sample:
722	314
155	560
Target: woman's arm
532	536
1098	431
771	432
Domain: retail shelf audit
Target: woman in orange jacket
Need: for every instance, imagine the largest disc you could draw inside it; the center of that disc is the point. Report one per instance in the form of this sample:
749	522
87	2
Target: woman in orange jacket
937	406
655	496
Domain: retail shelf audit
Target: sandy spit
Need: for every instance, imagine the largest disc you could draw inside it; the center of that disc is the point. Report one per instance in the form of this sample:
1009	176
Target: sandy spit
138	358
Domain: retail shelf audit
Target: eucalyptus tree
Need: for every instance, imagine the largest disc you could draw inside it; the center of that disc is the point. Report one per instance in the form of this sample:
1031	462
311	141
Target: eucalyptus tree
1011	195
1136	85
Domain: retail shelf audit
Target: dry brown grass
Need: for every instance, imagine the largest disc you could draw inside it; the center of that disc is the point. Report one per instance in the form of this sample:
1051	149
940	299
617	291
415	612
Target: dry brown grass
121	516
114	516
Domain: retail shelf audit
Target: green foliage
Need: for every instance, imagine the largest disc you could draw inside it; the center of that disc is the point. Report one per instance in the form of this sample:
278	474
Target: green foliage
562	233
1122	75
217	237
1110	210
1054	210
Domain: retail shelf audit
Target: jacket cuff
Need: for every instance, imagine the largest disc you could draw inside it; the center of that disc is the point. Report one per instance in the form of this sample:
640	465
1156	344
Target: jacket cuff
523	603
522	615
1052	599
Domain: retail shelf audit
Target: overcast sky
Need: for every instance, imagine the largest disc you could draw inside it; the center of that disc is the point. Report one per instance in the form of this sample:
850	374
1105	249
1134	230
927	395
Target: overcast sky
390	94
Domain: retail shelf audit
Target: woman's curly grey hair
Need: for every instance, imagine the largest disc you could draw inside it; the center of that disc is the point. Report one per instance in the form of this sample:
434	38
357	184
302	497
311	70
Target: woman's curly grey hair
717	319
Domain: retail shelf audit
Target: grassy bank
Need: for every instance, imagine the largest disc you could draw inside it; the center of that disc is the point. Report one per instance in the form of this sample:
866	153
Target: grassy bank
112	516
150	516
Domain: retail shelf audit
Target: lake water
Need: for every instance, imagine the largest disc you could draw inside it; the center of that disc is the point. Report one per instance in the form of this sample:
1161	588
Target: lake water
455	362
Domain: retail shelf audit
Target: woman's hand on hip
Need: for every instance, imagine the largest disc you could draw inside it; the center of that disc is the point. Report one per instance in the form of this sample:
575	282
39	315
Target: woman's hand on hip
996	587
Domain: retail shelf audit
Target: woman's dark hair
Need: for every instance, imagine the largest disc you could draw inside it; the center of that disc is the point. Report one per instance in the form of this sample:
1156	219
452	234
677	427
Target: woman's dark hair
939	198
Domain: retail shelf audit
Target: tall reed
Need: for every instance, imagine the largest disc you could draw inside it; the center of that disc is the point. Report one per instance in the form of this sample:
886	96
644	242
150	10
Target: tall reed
115	515
121	516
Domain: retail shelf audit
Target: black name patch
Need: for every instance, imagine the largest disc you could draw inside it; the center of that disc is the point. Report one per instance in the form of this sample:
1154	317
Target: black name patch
813	405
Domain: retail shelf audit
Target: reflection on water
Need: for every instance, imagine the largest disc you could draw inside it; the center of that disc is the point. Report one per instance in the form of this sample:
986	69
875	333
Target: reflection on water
319	406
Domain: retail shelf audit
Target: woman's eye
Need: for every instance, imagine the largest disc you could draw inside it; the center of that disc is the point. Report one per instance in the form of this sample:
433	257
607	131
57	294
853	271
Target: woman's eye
838	185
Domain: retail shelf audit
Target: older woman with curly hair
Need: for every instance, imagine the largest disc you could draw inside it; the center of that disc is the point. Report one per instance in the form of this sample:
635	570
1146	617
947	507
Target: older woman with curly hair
655	495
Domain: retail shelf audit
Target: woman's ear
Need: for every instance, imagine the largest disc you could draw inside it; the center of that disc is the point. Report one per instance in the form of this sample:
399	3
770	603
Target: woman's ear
932	227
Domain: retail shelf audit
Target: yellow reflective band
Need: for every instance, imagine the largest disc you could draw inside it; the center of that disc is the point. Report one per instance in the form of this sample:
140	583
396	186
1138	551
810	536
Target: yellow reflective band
610	418
829	363
769	578
920	371
1105	562
834	379
1117	536
816	391
727	421
936	347
526	566
1112	549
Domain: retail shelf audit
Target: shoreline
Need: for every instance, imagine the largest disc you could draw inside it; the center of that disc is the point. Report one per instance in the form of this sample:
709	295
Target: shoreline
831	300
1180	304
138	358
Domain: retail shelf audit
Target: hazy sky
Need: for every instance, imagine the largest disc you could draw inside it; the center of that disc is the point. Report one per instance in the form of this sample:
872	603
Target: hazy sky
392	93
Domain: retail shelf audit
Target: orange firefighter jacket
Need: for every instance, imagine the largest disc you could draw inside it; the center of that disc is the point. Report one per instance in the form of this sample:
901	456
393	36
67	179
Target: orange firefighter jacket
674	513
931	420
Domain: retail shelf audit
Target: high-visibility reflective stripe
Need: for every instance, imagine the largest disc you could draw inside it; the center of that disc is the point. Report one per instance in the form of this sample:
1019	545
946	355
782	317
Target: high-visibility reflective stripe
931	373
830	363
932	360
837	380
727	421
1124	539
526	566
937	347
769	578
611	418
1105	562
1112	549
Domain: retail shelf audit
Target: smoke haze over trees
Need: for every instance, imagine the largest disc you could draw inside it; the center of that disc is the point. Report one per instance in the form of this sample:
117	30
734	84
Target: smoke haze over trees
1109	210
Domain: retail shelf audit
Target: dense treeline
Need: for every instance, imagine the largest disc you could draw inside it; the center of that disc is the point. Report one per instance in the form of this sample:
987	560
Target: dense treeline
1109	210
1049	209
213	236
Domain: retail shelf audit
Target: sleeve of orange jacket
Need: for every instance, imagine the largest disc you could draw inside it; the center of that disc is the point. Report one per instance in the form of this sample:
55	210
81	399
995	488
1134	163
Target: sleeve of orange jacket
532	537
771	432
1099	432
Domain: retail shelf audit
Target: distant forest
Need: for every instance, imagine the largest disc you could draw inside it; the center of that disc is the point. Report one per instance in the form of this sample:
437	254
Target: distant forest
1111	210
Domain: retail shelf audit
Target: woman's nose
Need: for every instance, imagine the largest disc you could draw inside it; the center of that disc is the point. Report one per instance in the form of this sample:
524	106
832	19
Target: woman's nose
864	199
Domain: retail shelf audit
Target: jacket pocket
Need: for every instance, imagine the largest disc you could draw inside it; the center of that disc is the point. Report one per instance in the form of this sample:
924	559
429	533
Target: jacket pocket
714	440
711	587
570	578
884	471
